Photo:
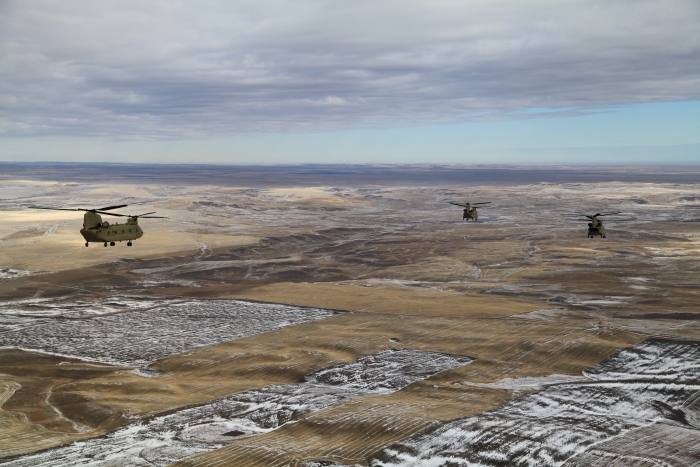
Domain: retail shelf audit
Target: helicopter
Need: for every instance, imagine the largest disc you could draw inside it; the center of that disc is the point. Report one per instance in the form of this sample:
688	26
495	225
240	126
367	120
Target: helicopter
469	211
95	230
595	227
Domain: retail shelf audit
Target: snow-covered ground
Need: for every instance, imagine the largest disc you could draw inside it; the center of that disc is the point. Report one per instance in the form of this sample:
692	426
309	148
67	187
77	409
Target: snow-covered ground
75	308
649	384
137	338
166	439
656	360
9	273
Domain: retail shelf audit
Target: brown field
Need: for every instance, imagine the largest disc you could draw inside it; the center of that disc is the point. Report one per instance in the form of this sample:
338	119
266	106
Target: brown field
524	292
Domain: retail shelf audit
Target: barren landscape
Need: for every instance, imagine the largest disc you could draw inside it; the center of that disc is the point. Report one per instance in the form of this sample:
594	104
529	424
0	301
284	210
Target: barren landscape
330	316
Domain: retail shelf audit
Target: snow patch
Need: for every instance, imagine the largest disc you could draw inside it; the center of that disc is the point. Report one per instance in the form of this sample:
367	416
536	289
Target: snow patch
137	338
529	383
15	273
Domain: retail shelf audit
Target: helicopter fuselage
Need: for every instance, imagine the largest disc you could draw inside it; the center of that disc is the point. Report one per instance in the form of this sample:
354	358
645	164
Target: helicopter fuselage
470	213
595	228
94	230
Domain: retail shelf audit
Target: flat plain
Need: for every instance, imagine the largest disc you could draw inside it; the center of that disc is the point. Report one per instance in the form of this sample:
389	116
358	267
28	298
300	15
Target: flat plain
346	315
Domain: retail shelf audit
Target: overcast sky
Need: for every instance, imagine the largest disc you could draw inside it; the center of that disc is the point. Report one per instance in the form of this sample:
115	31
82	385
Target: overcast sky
350	81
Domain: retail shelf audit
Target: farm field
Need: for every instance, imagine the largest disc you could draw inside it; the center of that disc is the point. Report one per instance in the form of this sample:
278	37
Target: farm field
649	387
154	333
165	439
334	321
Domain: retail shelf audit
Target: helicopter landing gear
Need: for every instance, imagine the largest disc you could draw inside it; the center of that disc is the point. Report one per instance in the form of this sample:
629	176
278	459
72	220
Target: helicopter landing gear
128	244
86	244
105	244
603	236
111	244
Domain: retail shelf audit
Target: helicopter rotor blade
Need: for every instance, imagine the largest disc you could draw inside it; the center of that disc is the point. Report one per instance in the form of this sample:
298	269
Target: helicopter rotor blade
109	208
608	214
459	204
100	210
154	217
144	214
59	209
111	214
487	202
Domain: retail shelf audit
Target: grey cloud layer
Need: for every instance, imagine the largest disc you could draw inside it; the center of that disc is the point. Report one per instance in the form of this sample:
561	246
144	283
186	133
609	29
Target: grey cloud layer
181	69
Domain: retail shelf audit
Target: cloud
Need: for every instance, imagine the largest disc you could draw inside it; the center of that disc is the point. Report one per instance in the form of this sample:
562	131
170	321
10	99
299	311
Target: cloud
172	70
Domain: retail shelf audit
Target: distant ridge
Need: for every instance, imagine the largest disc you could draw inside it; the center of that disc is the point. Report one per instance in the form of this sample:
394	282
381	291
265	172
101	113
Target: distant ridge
343	174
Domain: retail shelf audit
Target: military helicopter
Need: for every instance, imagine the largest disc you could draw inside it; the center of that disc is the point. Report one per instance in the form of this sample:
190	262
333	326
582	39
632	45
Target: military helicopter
94	230
469	211
595	226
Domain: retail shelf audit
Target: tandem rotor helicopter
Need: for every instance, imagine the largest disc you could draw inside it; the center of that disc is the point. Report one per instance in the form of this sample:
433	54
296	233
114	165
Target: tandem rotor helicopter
595	226
470	211
94	230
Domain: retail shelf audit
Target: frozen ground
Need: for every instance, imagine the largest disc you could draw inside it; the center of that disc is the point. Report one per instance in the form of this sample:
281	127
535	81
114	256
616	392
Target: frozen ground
75	308
654	386
166	439
655	360
137	338
9	273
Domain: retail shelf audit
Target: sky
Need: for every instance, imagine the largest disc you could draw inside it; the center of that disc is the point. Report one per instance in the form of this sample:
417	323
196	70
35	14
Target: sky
268	82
